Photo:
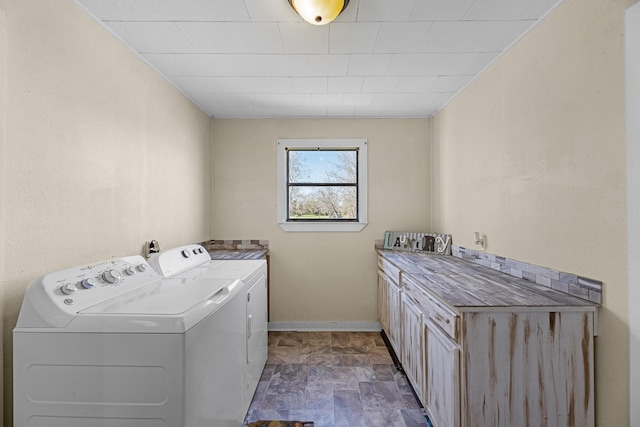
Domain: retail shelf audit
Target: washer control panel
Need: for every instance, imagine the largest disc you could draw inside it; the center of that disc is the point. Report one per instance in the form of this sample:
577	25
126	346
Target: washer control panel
174	261
80	287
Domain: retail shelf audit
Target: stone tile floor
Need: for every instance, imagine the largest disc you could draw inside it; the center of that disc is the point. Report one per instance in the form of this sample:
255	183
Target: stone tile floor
335	379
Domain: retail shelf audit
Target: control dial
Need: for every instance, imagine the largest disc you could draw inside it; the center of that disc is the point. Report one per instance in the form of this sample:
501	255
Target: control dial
112	276
130	270
142	268
88	283
68	288
186	253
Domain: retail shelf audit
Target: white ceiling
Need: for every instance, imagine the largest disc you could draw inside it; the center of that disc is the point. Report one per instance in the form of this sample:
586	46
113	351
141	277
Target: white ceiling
380	58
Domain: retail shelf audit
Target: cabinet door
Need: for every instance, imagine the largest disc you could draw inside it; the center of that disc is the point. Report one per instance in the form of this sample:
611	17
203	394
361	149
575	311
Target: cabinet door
442	388
413	354
395	323
383	302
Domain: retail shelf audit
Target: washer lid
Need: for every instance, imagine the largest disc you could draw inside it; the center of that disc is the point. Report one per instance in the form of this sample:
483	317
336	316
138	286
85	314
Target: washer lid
167	297
242	269
236	269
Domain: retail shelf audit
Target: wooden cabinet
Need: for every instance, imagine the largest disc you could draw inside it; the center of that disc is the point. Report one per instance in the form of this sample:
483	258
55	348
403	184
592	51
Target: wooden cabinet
395	319
431	356
510	358
442	377
532	368
412	344
389	303
383	302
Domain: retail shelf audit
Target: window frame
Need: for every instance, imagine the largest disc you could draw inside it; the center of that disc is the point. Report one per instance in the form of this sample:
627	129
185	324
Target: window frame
320	225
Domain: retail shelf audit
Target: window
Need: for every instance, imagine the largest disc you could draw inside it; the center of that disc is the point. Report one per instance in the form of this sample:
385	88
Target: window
322	184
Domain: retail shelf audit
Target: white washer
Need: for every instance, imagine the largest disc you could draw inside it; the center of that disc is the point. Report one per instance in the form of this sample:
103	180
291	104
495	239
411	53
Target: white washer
193	263
116	345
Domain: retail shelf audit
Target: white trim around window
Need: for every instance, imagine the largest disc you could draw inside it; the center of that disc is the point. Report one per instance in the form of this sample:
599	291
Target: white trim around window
313	226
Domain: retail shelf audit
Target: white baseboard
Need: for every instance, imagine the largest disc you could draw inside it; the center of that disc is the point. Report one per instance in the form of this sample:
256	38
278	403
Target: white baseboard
325	326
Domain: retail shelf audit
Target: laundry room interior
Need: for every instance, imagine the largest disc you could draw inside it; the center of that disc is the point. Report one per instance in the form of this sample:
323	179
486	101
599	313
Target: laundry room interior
100	155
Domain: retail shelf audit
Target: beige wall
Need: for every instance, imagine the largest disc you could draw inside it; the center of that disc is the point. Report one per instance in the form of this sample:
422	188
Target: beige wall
632	65
3	100
320	277
533	155
101	153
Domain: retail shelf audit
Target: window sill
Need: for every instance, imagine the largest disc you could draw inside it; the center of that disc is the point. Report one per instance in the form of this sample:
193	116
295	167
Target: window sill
298	226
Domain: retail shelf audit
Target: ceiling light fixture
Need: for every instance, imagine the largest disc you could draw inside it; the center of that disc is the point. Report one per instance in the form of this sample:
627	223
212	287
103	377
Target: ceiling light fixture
319	12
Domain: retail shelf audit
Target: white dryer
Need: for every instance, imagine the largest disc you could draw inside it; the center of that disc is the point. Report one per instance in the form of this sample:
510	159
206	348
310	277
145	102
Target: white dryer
113	344
193	263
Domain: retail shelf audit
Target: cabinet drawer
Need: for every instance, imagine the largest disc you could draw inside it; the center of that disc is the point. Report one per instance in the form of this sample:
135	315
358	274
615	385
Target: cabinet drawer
439	314
389	269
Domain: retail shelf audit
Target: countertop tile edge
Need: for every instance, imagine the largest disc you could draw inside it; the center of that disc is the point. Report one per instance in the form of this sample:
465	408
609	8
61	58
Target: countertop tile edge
568	283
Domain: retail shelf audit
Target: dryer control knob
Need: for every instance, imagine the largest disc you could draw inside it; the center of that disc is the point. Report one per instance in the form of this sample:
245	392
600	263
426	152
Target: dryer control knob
130	271
142	268
186	253
112	276
88	283
68	288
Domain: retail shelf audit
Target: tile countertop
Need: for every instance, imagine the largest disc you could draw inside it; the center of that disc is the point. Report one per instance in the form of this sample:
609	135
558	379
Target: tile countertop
228	254
463	284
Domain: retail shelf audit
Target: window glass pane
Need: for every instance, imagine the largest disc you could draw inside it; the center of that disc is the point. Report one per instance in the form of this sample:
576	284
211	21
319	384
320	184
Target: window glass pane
322	202
322	166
